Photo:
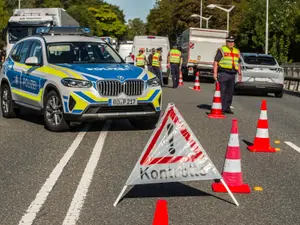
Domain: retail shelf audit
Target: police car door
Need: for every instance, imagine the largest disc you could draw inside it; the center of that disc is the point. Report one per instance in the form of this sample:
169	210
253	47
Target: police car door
30	84
13	72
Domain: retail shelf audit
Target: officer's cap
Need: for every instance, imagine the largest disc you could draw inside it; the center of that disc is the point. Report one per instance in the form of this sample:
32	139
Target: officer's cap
159	49
230	39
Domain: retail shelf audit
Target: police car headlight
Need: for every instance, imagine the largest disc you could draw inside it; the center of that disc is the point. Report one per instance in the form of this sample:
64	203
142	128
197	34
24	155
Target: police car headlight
154	82
69	82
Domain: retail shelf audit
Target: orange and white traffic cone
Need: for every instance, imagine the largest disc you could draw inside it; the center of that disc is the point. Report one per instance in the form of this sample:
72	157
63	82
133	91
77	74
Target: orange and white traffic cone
161	213
180	79
232	173
216	109
262	140
197	83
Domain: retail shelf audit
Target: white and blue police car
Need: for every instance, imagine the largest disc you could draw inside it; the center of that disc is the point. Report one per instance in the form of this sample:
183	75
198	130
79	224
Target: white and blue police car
68	76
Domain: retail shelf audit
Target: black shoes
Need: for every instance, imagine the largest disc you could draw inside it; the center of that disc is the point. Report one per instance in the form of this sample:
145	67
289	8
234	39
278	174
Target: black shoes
228	111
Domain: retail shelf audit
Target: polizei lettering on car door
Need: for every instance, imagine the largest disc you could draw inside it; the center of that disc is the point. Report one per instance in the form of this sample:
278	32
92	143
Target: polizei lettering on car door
185	171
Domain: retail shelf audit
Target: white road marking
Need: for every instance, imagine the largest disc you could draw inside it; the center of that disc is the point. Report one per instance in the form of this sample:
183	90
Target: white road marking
78	199
295	147
42	195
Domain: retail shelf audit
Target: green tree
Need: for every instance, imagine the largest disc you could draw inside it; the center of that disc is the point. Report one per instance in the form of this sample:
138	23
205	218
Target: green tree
4	18
282	31
108	23
135	27
52	4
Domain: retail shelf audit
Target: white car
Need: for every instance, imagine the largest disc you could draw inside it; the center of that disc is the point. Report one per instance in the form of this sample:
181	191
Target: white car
260	73
70	76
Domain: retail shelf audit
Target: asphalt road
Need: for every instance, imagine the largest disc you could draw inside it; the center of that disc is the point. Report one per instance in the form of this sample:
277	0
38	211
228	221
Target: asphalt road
34	160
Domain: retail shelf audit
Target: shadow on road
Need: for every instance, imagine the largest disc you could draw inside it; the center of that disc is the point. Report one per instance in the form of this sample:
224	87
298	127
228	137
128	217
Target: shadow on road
204	106
297	94
166	190
121	125
247	142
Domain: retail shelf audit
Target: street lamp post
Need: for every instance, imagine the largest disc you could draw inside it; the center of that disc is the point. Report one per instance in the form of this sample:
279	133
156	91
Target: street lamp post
19	3
201	17
267	27
212	6
201	14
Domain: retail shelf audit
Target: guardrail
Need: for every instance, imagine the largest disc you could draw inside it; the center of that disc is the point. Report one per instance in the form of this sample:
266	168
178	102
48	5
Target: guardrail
291	77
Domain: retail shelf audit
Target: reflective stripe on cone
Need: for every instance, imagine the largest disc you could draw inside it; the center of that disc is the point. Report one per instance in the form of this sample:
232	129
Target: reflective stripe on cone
232	172
262	140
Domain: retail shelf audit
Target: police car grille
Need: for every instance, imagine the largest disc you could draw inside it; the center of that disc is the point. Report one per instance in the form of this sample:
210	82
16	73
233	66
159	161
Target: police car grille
115	88
133	87
110	88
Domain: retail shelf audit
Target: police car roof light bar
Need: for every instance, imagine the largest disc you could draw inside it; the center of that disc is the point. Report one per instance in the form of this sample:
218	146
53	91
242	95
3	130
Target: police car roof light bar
63	30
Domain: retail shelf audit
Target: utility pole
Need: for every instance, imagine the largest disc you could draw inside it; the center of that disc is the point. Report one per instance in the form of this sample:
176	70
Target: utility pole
19	1
267	28
201	14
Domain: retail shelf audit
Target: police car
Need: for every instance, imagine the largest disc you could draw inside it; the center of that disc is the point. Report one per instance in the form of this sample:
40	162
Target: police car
68	76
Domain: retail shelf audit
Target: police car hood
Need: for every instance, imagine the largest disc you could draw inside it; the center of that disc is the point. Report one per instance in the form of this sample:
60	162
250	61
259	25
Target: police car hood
105	71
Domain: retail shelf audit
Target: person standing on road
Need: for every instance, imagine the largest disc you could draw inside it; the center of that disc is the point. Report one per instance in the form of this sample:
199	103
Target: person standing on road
226	66
150	58
156	64
175	62
141	59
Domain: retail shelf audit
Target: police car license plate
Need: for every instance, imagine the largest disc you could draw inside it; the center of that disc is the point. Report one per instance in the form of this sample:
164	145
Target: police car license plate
126	101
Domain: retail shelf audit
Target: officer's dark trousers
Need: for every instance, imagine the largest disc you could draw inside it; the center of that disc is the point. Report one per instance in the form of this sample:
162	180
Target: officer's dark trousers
227	82
156	70
150	69
175	74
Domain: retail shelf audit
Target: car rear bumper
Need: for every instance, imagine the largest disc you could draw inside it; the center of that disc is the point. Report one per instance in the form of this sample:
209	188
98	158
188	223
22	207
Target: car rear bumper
103	112
254	86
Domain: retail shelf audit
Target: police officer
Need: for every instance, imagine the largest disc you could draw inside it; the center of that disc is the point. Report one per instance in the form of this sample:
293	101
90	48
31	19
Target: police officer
141	59
150	58
226	66
156	64
175	62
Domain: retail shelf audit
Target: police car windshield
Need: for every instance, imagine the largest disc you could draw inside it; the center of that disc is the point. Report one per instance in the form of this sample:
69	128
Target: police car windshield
81	52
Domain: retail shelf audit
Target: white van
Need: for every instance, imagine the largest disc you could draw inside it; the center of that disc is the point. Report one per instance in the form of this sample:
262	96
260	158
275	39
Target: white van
149	42
125	49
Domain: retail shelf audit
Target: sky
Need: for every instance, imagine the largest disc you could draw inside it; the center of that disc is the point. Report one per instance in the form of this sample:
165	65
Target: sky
134	8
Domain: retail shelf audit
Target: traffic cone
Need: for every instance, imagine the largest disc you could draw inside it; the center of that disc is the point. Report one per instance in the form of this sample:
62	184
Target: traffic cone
197	83
180	79
232	172
161	213
262	140
216	109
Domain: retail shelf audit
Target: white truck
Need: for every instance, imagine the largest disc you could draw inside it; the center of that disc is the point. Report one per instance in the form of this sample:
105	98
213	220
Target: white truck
24	22
199	47
150	42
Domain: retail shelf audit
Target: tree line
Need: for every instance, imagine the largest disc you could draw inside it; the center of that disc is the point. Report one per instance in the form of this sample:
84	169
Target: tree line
171	17
247	23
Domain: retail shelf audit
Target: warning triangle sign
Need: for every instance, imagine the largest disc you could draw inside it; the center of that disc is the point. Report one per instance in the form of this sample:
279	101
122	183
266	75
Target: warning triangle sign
173	154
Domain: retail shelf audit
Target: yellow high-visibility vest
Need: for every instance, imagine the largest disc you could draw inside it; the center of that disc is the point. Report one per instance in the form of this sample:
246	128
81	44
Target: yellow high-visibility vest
140	60
155	60
230	58
175	55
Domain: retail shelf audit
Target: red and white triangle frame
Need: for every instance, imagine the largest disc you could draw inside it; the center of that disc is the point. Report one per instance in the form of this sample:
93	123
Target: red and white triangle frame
147	160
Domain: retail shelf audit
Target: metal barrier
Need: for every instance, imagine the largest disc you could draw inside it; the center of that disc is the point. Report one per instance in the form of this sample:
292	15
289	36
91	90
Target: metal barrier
292	77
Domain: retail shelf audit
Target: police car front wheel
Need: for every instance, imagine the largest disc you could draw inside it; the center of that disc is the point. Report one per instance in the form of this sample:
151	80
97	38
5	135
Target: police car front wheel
53	113
8	111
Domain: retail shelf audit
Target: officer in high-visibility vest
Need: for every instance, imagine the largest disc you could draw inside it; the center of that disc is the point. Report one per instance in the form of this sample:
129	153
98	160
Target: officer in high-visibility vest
156	64
226	66
175	62
141	59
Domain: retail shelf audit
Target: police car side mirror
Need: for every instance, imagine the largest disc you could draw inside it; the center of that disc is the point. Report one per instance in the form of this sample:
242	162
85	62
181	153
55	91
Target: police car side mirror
32	61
